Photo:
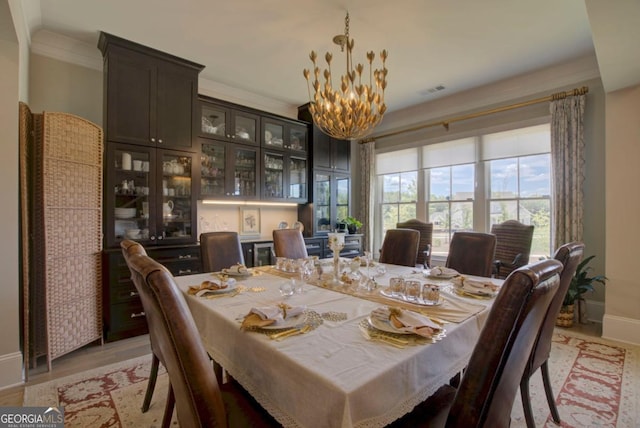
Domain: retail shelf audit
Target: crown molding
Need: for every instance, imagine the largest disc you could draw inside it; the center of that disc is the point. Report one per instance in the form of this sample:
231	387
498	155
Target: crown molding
67	49
508	90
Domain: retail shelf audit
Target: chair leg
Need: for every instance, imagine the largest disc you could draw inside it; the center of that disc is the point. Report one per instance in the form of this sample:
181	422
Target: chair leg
526	402
549	392
153	375
168	409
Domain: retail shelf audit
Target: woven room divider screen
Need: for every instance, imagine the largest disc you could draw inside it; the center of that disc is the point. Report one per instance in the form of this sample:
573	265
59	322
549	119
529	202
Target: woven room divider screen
65	218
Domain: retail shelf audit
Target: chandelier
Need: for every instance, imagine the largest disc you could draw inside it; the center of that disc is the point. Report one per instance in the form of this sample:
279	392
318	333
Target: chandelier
353	109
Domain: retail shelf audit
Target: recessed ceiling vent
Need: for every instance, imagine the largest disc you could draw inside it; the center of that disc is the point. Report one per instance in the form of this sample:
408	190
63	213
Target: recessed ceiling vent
433	90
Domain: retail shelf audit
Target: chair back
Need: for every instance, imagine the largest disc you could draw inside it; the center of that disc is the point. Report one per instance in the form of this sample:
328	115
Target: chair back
400	247
426	236
513	246
570	256
219	250
492	377
472	253
289	243
191	377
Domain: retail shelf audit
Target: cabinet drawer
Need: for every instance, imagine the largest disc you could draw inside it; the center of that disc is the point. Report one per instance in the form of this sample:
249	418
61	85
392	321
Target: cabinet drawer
185	267
128	316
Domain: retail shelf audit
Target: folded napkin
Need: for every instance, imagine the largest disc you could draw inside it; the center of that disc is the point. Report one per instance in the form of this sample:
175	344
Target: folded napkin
270	315
443	272
476	286
407	321
210	286
238	269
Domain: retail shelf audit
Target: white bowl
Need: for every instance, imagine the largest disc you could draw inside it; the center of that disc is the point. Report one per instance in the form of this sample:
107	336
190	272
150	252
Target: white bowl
132	233
125	212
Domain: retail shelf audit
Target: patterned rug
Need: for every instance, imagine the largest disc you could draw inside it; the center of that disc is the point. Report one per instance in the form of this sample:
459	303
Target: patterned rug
596	382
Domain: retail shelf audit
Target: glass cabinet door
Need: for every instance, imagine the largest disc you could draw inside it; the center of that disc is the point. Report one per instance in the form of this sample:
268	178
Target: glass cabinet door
297	183
342	197
298	138
322	192
131	193
246	127
245	171
214	121
174	213
212	169
273	175
273	134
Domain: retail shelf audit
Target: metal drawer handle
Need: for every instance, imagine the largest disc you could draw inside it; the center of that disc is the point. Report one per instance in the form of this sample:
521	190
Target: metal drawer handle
133	293
138	315
180	272
186	256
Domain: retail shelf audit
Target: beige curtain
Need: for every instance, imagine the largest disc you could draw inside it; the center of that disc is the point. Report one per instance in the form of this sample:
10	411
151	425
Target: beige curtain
367	180
567	158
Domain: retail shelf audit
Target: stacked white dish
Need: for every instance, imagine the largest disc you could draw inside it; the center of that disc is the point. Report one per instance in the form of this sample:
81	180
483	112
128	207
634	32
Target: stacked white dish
125	212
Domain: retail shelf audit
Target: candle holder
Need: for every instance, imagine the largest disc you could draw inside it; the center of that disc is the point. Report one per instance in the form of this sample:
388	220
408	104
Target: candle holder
336	244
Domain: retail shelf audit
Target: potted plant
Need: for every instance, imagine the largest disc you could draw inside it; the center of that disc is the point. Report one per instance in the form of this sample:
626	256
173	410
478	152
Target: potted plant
353	224
580	284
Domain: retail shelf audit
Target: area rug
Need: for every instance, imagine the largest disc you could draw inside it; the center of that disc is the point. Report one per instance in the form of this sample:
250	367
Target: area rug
109	396
596	382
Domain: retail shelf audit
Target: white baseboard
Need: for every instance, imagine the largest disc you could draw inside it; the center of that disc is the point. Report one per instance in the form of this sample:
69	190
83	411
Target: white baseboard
595	311
11	370
621	329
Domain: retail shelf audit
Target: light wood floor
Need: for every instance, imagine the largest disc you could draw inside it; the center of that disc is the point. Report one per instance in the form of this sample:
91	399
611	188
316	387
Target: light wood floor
89	357
93	356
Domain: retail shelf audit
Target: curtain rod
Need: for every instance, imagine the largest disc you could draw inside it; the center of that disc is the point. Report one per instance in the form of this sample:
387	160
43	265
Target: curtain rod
557	96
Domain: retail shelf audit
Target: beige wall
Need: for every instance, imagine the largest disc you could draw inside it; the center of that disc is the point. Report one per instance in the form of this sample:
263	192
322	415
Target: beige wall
622	318
60	86
10	356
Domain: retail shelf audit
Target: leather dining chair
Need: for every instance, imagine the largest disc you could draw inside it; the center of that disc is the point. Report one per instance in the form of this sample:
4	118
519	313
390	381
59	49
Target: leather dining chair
490	383
513	246
426	236
193	387
472	253
289	243
129	249
219	250
400	247
570	256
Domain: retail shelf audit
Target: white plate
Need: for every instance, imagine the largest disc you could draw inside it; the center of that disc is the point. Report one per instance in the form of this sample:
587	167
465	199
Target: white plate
422	302
230	273
288	323
384	326
478	293
230	287
443	276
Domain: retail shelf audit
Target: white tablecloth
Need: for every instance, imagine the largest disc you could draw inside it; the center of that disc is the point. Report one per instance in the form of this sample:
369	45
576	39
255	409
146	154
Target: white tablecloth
331	376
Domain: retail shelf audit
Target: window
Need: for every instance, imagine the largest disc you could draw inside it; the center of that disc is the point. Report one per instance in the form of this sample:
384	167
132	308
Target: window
470	184
520	189
399	198
397	187
450	202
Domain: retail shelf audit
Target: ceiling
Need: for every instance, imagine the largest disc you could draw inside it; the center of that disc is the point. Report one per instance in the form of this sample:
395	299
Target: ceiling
261	47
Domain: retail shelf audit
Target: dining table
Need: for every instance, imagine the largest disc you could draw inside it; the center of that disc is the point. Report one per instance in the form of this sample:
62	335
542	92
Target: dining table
331	366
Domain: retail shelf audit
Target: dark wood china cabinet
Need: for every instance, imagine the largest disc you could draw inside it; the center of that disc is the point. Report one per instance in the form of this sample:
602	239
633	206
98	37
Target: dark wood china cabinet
330	182
150	170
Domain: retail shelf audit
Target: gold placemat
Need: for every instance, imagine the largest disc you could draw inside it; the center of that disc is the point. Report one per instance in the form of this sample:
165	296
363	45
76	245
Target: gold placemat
453	309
